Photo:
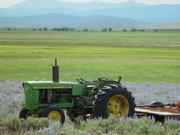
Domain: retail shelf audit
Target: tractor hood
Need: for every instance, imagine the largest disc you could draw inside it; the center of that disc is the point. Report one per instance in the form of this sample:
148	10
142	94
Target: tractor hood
50	84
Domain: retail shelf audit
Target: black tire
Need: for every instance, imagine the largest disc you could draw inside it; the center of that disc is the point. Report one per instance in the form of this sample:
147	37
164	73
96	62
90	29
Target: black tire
72	115
47	111
24	113
104	95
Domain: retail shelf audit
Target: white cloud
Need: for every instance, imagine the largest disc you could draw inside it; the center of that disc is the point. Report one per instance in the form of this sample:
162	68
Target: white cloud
154	2
100	1
8	3
141	1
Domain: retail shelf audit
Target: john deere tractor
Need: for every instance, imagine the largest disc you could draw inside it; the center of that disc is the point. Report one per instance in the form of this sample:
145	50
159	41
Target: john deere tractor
88	99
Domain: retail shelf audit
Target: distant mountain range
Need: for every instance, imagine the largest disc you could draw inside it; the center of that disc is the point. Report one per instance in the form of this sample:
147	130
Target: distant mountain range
89	13
67	20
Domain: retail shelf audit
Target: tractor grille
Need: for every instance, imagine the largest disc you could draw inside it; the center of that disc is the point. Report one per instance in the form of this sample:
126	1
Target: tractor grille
55	95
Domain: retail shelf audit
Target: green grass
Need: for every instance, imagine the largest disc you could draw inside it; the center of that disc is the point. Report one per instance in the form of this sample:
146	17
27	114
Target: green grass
29	56
91	38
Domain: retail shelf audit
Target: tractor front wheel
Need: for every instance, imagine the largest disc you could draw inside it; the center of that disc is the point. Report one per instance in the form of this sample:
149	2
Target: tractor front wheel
54	114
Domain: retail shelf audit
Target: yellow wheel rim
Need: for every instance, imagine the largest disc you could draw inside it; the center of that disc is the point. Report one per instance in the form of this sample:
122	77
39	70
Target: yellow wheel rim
118	106
54	115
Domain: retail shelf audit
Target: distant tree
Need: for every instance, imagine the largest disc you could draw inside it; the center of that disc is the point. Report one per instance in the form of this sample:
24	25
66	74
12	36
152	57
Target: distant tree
155	30
8	29
13	29
124	30
85	30
64	29
45	29
72	29
104	30
110	29
40	29
56	29
33	29
133	29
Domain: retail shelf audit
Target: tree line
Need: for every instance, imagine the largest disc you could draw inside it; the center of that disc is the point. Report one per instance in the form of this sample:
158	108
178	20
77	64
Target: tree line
57	29
71	29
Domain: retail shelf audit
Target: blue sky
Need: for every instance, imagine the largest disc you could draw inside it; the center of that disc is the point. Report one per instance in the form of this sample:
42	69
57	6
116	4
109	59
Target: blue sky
8	3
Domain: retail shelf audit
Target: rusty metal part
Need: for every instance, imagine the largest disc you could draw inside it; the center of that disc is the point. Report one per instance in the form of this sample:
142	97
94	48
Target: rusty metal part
178	106
171	111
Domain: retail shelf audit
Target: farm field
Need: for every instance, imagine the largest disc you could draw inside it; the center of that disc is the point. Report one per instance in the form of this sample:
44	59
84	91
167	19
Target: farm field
138	57
148	62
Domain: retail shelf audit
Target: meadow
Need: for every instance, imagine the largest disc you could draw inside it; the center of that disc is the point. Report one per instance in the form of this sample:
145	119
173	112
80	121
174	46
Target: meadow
137	56
149	63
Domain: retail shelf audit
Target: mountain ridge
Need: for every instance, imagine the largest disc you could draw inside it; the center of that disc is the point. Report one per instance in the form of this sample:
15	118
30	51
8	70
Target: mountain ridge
163	13
67	20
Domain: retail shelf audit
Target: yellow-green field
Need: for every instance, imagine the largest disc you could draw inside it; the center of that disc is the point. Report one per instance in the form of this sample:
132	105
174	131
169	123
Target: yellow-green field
138	57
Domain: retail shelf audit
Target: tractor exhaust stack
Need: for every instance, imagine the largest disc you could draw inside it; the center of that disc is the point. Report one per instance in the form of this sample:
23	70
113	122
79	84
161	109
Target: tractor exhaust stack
55	72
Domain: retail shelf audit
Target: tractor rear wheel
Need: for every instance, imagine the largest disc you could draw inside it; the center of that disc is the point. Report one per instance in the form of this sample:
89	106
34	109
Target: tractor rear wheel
114	100
54	114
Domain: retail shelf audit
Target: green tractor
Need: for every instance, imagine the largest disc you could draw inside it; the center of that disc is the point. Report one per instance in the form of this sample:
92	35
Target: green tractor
88	99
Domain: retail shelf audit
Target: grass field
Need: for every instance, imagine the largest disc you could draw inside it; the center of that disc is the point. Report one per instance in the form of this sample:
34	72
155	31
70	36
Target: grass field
91	38
138	57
